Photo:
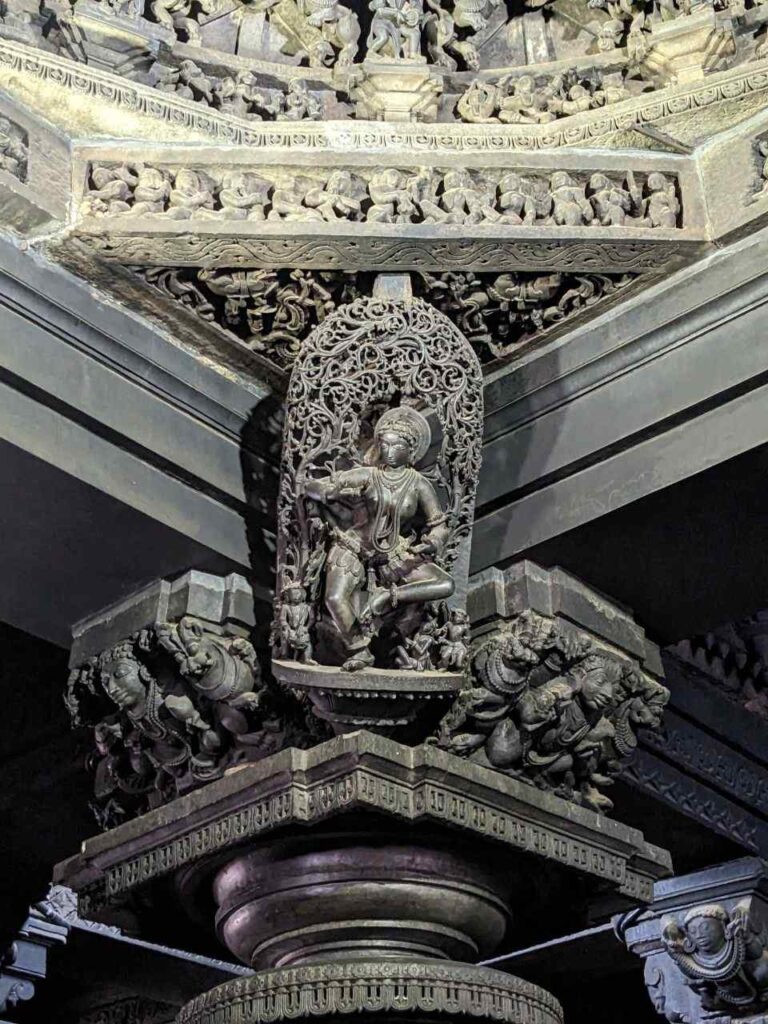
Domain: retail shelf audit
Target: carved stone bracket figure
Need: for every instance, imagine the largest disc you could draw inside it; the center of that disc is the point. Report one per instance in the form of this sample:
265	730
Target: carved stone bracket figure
367	537
549	702
723	956
172	706
705	942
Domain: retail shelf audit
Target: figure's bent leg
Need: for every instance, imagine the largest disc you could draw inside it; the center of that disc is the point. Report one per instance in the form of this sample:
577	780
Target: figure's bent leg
421	585
344	578
427	583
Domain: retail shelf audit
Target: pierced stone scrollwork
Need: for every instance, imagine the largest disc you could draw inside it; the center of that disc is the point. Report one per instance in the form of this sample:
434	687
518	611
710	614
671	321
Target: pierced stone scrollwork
459	196
500	312
272	311
171	708
722	955
367	541
550	706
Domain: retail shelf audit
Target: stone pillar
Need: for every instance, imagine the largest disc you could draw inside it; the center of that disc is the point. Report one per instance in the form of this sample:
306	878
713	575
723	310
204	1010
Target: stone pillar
364	877
704	940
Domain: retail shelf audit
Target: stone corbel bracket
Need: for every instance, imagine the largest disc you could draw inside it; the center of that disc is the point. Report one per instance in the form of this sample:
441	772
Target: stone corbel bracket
704	940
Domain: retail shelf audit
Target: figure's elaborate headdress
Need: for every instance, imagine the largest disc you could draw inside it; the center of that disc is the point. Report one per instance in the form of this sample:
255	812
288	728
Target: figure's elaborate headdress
410	424
711	910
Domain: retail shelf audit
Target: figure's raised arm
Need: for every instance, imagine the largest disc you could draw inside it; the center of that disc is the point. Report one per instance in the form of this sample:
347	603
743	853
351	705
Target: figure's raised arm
335	487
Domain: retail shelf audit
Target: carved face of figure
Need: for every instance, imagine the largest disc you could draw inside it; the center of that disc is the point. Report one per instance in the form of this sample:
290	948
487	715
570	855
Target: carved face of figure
395	449
597	689
707	934
122	683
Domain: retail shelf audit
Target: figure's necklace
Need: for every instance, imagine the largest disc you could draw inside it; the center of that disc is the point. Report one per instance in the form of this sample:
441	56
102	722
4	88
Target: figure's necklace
395	477
386	526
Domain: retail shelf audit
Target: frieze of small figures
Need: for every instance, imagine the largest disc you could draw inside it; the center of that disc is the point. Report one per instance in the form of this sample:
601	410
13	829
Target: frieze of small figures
238	94
14	149
528	99
390	195
447	34
172	707
722	955
549	706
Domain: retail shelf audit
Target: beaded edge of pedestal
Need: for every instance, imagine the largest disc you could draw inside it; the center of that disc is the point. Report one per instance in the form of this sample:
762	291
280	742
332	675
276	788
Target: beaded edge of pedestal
374	987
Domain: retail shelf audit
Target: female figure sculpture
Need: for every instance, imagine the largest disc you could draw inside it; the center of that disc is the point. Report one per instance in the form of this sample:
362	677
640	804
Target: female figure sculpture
376	547
367	543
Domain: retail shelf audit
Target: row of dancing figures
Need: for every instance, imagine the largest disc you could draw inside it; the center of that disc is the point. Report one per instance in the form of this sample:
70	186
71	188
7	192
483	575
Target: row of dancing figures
377	562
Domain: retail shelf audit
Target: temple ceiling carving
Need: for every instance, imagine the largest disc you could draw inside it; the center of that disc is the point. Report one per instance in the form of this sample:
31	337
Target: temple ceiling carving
236	171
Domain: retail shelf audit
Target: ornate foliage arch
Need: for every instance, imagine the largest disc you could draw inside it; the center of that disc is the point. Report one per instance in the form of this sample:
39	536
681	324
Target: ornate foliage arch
368	356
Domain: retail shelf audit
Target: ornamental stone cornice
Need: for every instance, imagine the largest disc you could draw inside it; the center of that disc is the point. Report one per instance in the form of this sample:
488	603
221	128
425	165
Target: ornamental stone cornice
719	101
363	771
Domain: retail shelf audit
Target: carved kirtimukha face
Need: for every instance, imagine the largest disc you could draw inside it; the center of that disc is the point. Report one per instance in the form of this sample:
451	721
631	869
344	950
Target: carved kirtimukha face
707	934
395	449
121	681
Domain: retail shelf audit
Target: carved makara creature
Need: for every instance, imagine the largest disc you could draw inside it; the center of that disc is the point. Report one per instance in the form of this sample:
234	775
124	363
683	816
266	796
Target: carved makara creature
367	539
722	955
551	706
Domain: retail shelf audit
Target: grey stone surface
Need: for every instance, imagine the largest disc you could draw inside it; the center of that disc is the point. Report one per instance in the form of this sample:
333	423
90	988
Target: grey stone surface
679	363
495	595
220	601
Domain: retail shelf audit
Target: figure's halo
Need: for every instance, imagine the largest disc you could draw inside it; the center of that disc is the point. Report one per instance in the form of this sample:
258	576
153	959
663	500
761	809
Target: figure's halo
406	418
